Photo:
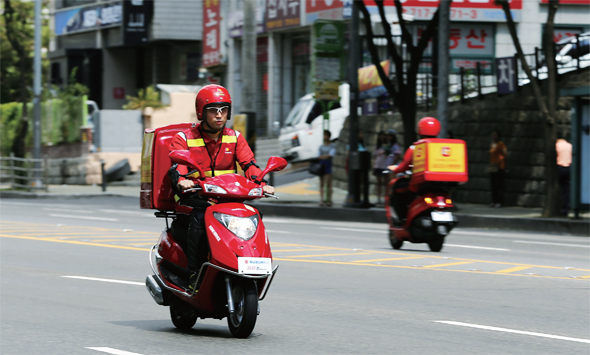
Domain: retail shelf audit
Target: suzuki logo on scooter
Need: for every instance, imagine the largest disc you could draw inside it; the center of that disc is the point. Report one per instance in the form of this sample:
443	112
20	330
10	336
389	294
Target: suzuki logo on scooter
445	151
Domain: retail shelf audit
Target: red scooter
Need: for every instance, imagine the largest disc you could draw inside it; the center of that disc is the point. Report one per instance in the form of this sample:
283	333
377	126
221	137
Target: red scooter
239	269
417	204
421	217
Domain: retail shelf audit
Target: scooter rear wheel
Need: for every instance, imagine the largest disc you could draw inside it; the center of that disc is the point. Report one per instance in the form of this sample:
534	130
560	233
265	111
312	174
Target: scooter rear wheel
182	314
395	243
241	323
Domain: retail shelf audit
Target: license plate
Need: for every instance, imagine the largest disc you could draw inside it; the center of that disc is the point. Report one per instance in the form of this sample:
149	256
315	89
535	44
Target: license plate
442	216
254	266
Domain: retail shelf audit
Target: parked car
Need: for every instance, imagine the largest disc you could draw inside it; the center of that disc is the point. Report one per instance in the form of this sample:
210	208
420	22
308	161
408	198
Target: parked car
302	132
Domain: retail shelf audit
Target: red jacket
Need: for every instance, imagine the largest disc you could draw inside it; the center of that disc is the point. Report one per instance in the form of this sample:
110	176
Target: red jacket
216	157
408	159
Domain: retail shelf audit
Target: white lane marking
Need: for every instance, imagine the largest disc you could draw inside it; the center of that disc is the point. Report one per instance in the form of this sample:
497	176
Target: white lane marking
473	247
113	351
131	213
560	244
65	210
514	331
106	280
280	232
354	230
84	217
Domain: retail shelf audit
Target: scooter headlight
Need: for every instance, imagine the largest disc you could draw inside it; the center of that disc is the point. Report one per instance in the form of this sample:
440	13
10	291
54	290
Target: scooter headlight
243	227
214	189
255	192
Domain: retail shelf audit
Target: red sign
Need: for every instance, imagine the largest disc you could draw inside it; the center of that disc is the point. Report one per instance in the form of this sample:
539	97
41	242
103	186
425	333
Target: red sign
569	2
211	18
322	5
461	10
118	93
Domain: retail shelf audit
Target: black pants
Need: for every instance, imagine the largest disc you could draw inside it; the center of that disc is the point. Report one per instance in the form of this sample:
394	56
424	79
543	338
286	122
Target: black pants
197	245
564	183
497	186
401	197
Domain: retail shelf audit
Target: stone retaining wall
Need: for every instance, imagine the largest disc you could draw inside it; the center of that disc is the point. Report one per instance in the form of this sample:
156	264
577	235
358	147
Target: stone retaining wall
518	119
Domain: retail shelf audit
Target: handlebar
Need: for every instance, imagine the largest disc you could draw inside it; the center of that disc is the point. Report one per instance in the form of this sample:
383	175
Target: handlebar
270	195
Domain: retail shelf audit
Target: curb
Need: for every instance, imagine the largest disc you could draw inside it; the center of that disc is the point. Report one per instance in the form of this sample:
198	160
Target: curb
44	195
377	215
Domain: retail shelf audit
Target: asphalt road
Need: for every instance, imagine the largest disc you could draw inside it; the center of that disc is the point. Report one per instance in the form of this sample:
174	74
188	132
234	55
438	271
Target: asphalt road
73	274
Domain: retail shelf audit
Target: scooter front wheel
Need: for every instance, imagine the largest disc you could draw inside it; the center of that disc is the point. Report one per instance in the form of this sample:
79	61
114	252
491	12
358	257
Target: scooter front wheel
437	244
245	299
395	243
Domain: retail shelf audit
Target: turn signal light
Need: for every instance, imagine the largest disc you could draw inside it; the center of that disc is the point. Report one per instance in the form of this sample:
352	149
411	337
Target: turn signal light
448	201
428	200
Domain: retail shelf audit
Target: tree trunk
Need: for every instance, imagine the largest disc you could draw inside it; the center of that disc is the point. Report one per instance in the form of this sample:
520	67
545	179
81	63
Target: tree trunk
551	205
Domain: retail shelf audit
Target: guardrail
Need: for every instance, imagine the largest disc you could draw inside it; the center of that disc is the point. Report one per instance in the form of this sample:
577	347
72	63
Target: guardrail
27	174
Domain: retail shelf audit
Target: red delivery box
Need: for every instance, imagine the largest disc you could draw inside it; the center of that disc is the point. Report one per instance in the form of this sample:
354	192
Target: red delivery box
156	187
437	159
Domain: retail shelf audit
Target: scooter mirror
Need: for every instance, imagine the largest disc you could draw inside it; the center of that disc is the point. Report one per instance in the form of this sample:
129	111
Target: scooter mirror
273	164
184	157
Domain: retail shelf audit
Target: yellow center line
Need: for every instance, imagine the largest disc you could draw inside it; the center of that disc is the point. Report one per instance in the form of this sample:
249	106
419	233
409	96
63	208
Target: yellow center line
375	260
120	240
448	264
513	269
74	242
318	255
584	277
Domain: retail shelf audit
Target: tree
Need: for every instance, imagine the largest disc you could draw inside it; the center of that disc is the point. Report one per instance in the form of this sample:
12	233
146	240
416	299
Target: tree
16	74
403	91
551	203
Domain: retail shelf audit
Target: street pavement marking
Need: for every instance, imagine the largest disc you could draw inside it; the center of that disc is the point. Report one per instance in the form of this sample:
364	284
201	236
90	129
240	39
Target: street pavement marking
388	259
448	264
514	269
474	247
106	280
514	331
559	244
382	258
356	230
85	217
113	351
317	255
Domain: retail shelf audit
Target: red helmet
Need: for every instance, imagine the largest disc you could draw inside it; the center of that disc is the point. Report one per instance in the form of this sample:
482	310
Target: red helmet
428	126
211	94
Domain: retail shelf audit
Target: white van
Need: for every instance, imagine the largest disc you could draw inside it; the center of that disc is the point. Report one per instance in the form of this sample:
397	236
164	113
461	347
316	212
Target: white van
302	132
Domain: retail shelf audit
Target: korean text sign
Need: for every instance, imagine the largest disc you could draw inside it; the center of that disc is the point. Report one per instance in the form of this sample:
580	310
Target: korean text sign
211	18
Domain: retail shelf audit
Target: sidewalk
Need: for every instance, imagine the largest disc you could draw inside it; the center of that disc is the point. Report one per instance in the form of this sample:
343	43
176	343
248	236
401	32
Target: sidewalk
301	200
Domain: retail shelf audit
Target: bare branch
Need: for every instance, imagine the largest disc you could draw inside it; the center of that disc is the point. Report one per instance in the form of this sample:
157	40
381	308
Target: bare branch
406	35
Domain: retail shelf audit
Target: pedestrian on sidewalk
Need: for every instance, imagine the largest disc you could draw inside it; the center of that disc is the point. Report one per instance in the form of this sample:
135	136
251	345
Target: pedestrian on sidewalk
496	169
564	160
327	151
380	164
394	151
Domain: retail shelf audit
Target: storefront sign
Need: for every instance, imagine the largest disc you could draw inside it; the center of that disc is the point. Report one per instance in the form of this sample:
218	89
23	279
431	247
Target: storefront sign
236	19
462	10
326	90
327	10
282	14
328	57
485	65
569	2
211	18
137	15
88	18
506	77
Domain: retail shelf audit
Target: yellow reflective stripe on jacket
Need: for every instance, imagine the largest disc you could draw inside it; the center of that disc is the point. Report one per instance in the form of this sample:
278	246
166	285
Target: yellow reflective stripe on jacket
199	142
217	173
229	139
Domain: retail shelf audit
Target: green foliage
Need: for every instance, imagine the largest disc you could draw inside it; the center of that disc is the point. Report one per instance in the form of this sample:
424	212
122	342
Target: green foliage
147	97
21	28
10	115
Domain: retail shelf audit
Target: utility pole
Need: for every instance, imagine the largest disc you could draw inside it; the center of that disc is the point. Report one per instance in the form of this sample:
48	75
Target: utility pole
354	195
443	67
37	95
248	69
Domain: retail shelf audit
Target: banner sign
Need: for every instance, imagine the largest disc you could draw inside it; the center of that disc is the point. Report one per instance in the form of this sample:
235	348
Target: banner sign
506	76
236	19
328	60
88	18
327	10
569	2
462	10
137	15
370	84
211	18
282	14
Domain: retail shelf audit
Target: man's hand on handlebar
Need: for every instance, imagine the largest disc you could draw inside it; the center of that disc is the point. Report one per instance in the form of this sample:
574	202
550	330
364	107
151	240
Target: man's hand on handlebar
392	167
185	184
268	189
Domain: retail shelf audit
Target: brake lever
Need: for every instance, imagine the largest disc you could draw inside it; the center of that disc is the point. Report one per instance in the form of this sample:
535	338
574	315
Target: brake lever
192	189
271	195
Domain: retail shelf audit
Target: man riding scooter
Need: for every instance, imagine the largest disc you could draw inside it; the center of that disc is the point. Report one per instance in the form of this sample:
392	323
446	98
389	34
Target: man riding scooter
402	193
217	149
